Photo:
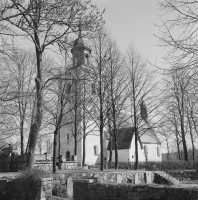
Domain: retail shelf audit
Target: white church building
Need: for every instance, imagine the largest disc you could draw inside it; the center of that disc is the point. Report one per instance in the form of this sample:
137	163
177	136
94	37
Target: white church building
148	144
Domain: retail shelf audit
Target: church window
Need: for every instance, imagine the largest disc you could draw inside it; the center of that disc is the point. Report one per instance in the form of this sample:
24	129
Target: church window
93	88
158	151
68	155
95	150
67	136
145	149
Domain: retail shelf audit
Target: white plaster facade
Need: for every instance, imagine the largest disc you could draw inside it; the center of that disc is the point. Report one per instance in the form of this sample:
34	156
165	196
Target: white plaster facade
92	141
125	155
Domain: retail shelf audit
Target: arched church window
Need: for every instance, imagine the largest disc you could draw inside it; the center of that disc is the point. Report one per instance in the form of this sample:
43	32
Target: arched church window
68	155
93	88
158	151
95	150
145	149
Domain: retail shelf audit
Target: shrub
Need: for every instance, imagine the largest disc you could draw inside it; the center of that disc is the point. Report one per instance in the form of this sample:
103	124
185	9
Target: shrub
158	166
31	177
59	191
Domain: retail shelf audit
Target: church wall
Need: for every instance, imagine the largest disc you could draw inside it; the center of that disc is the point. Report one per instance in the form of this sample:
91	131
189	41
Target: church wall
141	156
93	139
152	153
123	155
91	158
68	145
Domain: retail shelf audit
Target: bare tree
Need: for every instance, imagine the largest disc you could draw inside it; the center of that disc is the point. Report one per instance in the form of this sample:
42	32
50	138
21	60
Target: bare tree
57	107
117	93
178	86
179	15
19	70
99	80
141	93
45	23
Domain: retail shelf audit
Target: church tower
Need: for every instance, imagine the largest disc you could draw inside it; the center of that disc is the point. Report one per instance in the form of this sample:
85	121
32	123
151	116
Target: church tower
79	52
71	134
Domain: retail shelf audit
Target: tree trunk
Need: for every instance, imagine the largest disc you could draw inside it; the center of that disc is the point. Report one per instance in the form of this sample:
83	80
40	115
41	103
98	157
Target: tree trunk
114	133
84	131
35	126
116	149
54	150
101	127
76	113
135	122
194	123
191	137
181	113
114	122
84	123
110	151
59	143
84	153
177	138
21	133
136	149
101	147
178	148
184	140
168	151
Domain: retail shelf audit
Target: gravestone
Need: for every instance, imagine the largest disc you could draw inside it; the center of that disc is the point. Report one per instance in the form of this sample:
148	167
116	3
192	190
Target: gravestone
147	177
137	181
69	187
119	179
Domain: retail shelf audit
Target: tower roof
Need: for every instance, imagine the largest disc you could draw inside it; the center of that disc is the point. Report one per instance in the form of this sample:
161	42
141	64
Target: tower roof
78	43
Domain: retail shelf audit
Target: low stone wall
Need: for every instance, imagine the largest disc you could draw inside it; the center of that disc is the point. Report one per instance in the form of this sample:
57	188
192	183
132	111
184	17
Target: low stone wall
85	190
68	165
10	162
134	177
10	189
184	174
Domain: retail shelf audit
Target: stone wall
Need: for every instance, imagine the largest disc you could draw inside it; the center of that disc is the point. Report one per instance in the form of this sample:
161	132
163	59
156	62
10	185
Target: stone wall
85	190
134	177
11	162
10	189
68	165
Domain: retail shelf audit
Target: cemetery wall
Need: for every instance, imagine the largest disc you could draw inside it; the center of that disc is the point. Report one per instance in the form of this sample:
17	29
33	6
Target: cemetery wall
85	190
11	162
12	189
134	177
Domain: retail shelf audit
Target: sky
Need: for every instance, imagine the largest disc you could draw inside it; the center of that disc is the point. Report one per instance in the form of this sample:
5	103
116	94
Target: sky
133	21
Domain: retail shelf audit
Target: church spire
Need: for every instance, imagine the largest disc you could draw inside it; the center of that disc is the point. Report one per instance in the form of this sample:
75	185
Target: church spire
80	29
143	110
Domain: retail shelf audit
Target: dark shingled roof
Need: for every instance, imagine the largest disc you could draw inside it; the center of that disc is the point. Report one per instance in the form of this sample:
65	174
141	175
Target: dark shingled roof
124	138
125	135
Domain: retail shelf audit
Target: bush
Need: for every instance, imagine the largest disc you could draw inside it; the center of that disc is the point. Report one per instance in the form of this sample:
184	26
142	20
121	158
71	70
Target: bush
59	191
31	177
158	166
